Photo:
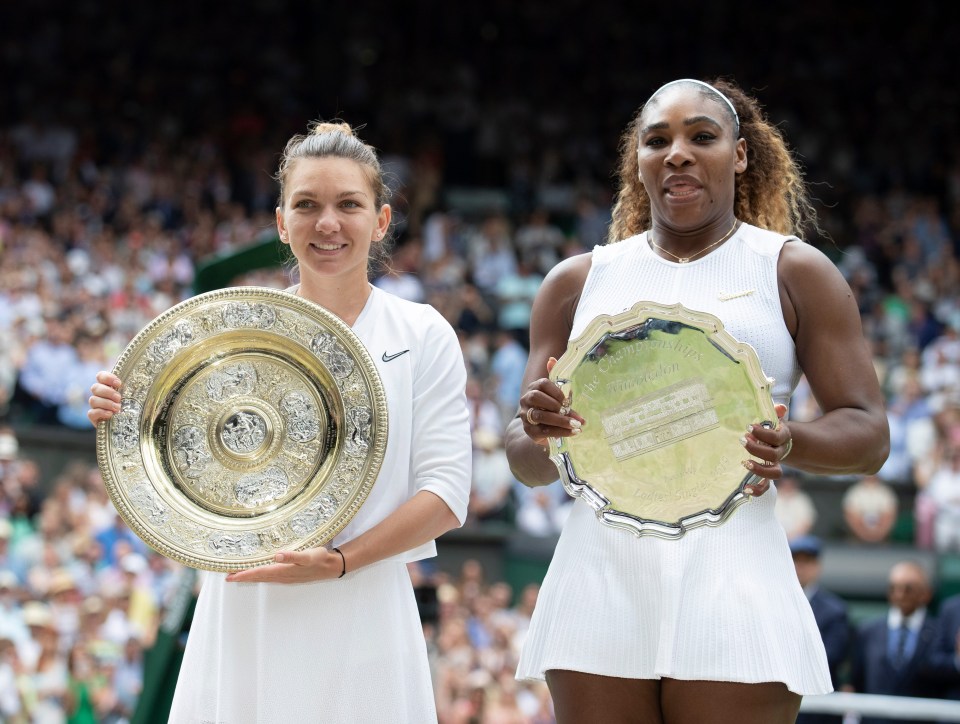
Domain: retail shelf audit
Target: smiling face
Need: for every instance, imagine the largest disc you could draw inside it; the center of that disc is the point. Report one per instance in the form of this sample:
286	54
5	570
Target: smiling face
330	218
689	158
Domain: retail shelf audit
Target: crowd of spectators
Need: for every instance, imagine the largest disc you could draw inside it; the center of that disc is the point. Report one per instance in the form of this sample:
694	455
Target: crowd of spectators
118	179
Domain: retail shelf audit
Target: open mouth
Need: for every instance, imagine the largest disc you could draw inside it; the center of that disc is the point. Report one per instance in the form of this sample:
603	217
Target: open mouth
326	246
682	190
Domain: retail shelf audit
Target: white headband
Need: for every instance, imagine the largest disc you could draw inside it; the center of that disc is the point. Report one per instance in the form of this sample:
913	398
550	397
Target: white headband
726	100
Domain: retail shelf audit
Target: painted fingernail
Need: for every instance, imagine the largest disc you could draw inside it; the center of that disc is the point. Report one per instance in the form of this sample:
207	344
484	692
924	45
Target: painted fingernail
748	464
575	424
748	491
749	428
743	441
575	431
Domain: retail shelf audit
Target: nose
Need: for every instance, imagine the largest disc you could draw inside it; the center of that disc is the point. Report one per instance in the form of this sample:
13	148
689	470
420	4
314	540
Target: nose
327	221
678	154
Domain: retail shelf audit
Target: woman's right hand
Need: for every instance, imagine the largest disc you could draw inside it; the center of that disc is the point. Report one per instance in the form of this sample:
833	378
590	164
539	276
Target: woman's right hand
544	413
105	397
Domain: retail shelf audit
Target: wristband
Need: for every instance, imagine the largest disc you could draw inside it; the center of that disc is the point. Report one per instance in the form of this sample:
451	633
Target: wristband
344	560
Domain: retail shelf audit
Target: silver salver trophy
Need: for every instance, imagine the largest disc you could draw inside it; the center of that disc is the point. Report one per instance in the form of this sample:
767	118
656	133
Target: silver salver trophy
667	394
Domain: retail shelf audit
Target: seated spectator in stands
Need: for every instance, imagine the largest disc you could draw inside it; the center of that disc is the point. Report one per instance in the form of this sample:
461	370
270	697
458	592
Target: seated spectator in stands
539	241
829	610
72	411
543	510
870	509
40	385
484	413
912	432
514	294
492	481
940	370
895	654
491	254
8	369
400	275
794	509
507	364
941	491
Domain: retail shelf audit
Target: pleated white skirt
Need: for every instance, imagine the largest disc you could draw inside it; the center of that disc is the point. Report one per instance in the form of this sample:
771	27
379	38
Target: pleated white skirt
720	604
348	650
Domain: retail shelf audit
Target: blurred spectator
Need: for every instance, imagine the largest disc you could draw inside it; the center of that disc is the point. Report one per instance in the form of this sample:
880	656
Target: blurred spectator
539	241
40	386
794	508
491	253
76	380
543	510
942	491
514	294
507	364
893	654
830	612
912	433
870	509
400	276
484	414
11	709
492	482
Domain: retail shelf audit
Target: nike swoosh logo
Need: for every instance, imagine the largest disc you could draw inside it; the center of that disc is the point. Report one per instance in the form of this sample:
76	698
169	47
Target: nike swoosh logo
723	297
388	358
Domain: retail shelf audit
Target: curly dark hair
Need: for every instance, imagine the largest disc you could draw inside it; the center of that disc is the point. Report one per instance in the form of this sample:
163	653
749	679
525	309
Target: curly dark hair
771	193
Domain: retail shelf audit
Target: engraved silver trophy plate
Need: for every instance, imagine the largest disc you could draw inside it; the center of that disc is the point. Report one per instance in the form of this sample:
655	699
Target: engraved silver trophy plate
666	393
252	421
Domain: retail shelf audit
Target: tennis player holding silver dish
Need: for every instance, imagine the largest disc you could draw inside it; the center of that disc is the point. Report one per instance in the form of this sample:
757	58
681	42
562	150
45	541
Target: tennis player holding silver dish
710	626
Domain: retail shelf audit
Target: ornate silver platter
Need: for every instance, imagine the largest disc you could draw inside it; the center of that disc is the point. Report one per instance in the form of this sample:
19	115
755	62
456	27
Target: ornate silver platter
252	421
666	393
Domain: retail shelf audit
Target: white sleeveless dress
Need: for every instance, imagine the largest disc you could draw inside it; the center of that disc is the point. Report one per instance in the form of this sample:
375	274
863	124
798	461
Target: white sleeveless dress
720	604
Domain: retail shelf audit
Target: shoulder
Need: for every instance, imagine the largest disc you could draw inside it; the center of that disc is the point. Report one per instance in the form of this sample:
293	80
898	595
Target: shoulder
403	311
566	279
764	242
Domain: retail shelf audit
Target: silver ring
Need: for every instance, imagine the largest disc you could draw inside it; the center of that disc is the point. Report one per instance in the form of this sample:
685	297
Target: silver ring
530	419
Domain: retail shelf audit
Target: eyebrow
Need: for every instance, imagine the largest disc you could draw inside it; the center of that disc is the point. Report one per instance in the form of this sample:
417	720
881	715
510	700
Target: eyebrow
341	195
687	122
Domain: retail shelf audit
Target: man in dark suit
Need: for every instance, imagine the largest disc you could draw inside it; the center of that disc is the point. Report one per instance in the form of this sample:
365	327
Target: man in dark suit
896	654
830	612
947	655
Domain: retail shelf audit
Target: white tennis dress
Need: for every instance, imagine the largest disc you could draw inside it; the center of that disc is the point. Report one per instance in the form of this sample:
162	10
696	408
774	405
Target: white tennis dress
351	649
720	604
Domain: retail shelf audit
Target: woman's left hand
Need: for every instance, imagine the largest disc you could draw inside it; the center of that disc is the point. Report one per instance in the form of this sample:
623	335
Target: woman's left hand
770	446
313	564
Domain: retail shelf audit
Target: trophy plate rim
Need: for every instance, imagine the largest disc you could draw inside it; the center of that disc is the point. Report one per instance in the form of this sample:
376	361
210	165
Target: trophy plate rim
253	421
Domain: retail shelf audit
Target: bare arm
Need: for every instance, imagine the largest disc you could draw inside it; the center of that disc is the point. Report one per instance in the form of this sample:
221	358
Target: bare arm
852	435
550	323
421	519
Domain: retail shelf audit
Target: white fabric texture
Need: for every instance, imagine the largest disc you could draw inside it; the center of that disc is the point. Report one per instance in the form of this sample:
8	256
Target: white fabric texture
722	603
346	650
351	649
